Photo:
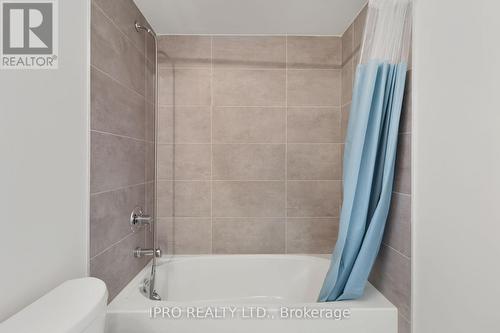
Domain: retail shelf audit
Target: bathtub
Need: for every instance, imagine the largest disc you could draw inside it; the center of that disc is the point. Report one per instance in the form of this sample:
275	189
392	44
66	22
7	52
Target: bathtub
244	293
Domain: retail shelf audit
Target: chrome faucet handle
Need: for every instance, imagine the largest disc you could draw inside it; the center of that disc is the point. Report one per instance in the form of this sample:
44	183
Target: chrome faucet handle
138	218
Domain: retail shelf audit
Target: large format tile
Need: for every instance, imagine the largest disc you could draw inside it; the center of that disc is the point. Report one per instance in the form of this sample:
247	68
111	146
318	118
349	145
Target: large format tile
313	198
249	161
347	43
347	82
398	228
109	215
249	51
114	108
311	235
314	87
246	87
313	125
248	125
402	176
192	161
165	124
185	86
124	13
192	124
248	235
165	235
192	199
249	199
165	198
184	51
391	275
114	53
313	162
359	26
314	52
192	235
346	110
165	162
117	266
115	162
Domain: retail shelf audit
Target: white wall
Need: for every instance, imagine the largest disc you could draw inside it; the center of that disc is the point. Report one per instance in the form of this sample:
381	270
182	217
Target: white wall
456	158
44	168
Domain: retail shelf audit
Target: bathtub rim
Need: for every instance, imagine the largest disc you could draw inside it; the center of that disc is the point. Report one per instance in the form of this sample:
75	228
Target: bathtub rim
130	300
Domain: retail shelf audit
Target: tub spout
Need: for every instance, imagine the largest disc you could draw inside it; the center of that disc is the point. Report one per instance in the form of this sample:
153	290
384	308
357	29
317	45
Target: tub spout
140	252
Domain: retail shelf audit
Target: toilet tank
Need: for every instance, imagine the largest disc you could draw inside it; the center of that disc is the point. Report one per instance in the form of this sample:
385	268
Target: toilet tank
76	306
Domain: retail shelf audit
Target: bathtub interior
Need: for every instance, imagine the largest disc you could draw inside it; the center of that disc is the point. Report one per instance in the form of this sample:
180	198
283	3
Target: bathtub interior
245	279
270	280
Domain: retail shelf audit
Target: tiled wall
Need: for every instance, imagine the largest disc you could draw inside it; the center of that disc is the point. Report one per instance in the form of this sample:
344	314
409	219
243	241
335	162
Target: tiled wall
249	144
122	117
391	273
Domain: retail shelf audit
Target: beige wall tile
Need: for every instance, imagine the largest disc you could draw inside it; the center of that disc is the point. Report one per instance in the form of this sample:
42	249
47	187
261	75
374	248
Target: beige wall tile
109	212
359	26
192	161
346	109
118	265
165	162
192	199
114	108
184	51
165	198
124	14
115	162
249	161
314	162
347	82
404	326
166	124
314	87
314	52
149	155
190	86
248	235
192	124
193	236
397	232
249	199
406	113
402	176
165	235
391	275
311	235
245	87
313	125
347	43
249	51
313	198
149	122
248	125
115	54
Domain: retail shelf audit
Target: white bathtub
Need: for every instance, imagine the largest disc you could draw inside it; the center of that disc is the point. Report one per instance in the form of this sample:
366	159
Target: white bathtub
245	293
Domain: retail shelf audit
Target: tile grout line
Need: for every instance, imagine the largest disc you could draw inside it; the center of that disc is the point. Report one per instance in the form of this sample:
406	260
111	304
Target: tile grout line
116	80
286	143
120	136
211	144
120	188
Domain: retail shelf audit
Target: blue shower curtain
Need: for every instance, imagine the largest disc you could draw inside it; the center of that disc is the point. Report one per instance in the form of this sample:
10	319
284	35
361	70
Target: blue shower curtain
369	159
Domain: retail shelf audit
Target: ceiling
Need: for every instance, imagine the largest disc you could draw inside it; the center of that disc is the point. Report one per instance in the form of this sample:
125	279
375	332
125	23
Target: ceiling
253	17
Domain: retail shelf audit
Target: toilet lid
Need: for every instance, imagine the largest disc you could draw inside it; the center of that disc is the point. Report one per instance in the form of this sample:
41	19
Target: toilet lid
69	308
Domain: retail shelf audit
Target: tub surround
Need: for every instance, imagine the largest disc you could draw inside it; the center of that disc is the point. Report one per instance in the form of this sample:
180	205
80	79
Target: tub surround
122	120
254	157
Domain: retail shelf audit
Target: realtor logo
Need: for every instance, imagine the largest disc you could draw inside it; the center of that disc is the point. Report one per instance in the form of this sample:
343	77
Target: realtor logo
29	34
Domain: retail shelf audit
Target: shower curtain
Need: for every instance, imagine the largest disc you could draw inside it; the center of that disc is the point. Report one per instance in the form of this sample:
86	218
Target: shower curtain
370	148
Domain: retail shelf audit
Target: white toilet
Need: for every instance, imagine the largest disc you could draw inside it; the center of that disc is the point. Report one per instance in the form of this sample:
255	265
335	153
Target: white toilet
76	306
